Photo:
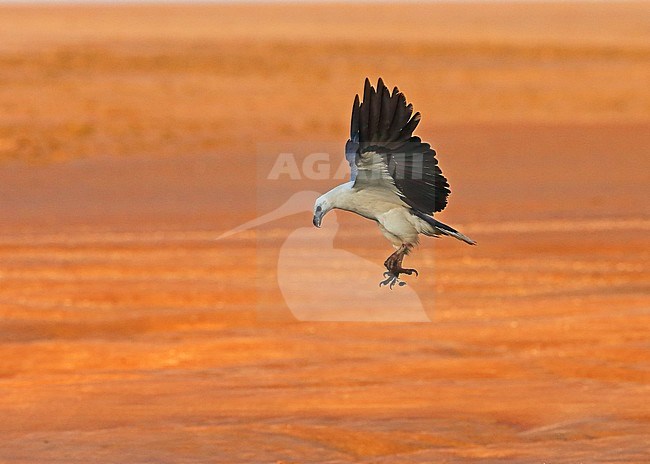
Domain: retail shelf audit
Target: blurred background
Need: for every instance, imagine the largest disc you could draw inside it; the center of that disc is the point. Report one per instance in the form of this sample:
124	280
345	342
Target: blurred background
132	135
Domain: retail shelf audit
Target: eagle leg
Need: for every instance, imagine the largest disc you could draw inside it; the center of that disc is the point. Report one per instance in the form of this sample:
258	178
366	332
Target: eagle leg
394	267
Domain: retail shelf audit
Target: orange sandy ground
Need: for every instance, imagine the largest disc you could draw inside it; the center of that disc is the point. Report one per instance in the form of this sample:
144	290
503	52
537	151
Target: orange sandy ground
130	138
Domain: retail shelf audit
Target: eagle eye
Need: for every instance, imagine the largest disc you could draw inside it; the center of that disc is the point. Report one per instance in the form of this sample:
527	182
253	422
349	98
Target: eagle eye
318	209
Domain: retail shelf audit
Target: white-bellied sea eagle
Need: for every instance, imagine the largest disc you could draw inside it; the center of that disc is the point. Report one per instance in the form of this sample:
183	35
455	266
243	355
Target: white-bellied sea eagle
395	179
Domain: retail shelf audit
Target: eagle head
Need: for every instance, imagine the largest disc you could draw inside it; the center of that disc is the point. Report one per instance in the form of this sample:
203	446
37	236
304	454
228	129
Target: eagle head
321	208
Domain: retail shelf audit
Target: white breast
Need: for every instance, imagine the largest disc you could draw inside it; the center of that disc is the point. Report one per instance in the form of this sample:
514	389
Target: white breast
398	225
395	221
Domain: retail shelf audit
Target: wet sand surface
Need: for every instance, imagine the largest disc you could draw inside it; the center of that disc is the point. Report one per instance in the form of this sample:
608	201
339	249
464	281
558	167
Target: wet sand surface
132	137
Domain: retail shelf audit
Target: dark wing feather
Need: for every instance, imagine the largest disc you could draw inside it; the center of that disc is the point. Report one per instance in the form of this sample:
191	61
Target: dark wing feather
407	130
401	117
387	111
375	108
352	147
383	124
354	123
364	116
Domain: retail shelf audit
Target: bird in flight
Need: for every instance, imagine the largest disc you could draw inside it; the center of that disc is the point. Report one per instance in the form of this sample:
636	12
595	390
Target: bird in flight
395	179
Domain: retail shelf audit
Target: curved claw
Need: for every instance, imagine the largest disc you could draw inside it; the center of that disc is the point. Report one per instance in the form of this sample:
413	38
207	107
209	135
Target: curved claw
391	280
392	277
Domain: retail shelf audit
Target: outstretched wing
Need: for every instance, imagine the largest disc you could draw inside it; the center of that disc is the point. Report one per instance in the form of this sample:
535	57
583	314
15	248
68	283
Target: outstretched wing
383	152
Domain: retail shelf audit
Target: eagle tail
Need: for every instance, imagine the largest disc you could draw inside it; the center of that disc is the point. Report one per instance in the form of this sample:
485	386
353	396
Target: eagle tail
441	228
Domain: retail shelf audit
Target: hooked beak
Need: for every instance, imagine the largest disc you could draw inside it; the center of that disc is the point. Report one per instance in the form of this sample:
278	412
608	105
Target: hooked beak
317	219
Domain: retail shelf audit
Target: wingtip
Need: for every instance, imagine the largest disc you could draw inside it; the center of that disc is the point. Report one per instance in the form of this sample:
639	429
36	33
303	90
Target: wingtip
467	240
367	90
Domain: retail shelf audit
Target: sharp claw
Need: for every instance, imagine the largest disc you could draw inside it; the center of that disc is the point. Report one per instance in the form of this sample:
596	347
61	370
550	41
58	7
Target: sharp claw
391	280
388	280
392	277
